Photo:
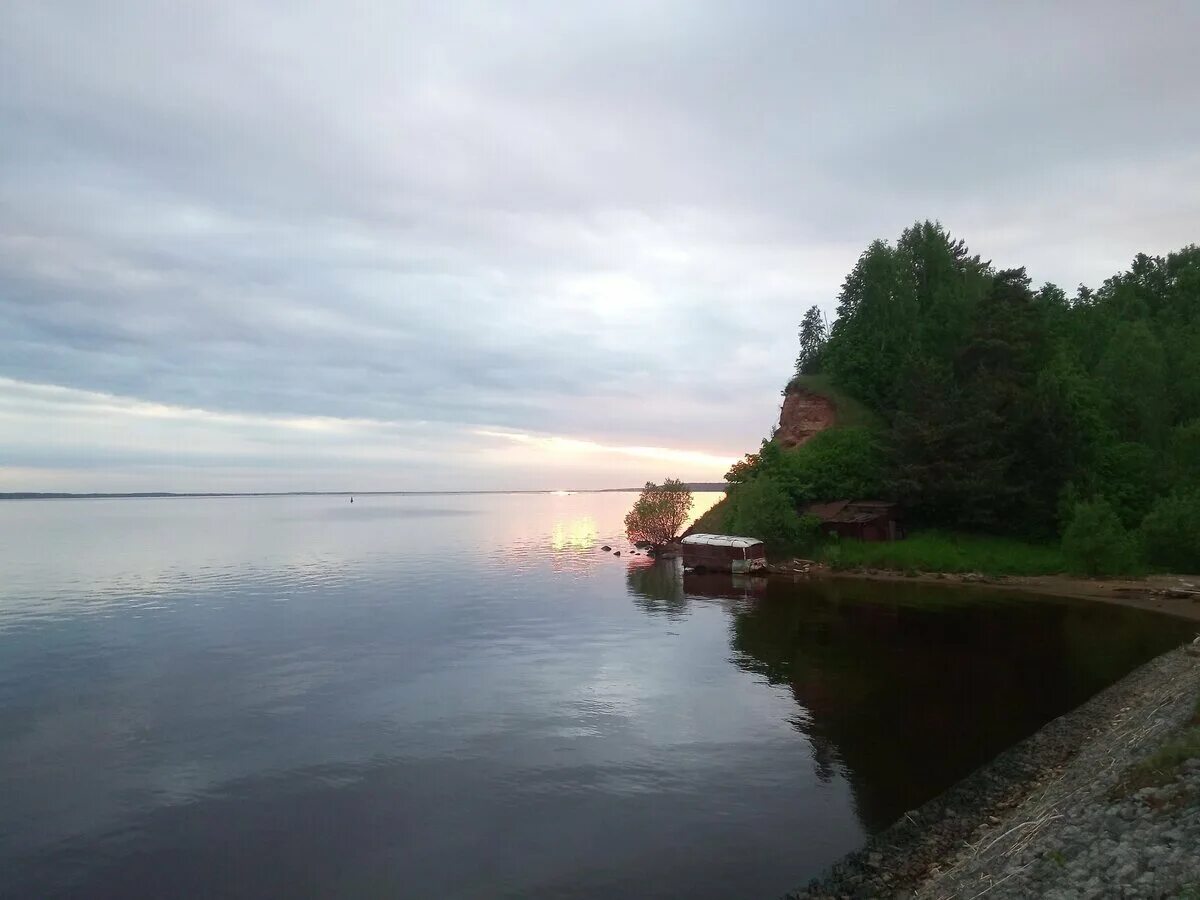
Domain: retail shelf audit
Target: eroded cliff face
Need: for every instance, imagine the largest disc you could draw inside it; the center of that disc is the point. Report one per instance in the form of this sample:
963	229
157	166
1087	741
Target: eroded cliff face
803	415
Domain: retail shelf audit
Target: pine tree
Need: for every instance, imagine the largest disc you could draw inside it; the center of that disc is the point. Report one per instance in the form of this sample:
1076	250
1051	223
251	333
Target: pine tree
812	342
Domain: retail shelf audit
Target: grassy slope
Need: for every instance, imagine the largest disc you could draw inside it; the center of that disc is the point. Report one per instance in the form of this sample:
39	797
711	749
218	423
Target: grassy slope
943	551
1162	767
850	413
713	520
924	551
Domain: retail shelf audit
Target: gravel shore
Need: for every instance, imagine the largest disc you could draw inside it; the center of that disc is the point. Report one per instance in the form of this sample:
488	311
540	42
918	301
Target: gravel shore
1074	811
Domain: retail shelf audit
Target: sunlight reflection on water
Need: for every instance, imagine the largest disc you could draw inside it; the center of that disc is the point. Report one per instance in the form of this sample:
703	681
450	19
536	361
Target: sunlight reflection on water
464	696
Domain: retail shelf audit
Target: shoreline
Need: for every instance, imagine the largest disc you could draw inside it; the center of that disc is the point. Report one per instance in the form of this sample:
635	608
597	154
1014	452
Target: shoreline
1009	821
1176	595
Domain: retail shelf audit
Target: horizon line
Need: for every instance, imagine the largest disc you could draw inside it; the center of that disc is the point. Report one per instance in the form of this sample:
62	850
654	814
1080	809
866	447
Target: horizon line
699	486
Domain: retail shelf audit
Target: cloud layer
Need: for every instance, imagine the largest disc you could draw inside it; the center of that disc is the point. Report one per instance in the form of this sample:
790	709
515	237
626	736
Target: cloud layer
592	225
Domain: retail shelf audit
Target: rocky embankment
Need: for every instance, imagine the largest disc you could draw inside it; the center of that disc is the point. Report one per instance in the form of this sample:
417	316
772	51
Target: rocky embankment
1102	802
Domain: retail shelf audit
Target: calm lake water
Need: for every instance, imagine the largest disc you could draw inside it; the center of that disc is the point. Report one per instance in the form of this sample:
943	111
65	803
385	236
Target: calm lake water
462	696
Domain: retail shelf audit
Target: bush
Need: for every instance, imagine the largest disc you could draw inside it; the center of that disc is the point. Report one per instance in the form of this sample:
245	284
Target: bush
761	508
1183	456
1095	542
1129	476
834	464
659	512
1171	532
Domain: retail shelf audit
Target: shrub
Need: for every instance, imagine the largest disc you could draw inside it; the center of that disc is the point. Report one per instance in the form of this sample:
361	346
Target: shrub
1171	532
761	508
810	531
1129	476
659	512
1183	456
834	464
1095	542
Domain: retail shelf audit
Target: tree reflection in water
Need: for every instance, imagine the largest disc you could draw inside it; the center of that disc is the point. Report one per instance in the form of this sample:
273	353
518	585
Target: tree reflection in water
657	588
904	689
660	587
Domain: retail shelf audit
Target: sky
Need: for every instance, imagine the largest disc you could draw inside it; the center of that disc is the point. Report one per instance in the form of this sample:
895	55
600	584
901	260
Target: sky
381	245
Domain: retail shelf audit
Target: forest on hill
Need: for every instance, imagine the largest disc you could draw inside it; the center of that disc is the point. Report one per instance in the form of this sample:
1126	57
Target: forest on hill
1001	409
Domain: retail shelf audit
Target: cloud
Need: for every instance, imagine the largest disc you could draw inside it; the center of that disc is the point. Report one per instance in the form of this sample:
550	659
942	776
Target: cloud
56	438
598	222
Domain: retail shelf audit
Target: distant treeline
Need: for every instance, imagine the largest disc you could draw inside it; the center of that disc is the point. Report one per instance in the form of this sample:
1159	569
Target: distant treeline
35	495
1006	409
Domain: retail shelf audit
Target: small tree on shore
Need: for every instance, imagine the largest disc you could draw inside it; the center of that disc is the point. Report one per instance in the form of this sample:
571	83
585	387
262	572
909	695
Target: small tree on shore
659	512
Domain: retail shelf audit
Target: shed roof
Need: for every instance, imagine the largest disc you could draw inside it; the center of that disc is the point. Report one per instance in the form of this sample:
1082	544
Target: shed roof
720	540
849	511
826	511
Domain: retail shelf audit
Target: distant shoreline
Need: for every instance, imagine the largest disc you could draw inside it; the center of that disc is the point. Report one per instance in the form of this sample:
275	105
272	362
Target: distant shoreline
703	486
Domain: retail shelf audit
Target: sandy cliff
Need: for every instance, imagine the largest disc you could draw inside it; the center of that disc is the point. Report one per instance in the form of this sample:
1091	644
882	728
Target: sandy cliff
804	414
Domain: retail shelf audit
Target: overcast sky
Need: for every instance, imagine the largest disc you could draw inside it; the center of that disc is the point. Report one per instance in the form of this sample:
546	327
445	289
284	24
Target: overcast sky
381	245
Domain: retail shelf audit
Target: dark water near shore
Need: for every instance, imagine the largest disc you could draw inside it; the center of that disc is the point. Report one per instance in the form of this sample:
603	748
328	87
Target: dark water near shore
461	696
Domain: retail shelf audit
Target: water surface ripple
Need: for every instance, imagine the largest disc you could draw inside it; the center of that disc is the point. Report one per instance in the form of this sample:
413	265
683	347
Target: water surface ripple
462	696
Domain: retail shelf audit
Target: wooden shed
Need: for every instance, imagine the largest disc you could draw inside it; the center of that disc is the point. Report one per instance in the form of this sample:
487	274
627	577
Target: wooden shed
866	520
723	553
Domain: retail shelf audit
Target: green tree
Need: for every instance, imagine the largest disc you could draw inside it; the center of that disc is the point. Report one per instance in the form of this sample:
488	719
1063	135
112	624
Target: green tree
946	284
1004	406
1133	378
744	469
763	509
1009	439
1095	542
873	337
1183	456
1129	475
812	342
836	464
659	512
1171	532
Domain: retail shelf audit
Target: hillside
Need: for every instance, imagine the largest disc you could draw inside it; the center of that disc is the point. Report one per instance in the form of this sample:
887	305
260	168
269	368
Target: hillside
812	404
986	407
811	407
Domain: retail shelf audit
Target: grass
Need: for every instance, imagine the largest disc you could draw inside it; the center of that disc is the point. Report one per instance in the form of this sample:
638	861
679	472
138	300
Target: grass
940	551
1161	767
850	413
923	551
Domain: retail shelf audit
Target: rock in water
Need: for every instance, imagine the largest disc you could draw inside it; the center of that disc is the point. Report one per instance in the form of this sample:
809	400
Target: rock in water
606	548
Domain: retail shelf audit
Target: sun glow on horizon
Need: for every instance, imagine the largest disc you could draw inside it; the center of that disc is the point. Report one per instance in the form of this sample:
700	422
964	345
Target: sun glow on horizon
566	448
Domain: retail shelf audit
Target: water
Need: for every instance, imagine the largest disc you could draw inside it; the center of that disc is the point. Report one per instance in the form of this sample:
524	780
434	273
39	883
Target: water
461	696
